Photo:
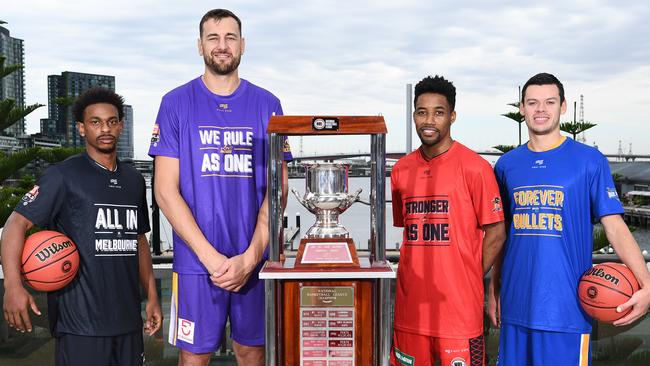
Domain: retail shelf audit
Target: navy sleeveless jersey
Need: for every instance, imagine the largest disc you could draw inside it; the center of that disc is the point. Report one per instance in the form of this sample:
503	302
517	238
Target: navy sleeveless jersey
103	212
551	199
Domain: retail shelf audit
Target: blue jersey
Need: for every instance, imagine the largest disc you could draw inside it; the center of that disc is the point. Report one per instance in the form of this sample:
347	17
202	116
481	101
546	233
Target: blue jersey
551	199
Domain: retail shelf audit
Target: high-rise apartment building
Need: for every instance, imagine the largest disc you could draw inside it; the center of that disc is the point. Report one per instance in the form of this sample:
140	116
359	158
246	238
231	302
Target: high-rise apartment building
125	143
12	86
62	90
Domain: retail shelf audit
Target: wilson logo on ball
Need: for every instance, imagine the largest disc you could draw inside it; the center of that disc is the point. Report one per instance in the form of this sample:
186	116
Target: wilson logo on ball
54	248
598	272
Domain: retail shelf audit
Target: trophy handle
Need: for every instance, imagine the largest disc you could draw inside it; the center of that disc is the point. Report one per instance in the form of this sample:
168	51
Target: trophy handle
356	198
307	203
298	197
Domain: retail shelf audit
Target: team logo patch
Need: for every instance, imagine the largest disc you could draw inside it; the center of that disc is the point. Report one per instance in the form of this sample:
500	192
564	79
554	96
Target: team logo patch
186	330
458	361
223	107
496	202
403	358
611	193
155	135
286	147
539	163
30	196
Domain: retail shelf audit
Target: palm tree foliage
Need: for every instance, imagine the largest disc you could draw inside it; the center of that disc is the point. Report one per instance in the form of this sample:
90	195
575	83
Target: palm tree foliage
576	128
504	148
11	164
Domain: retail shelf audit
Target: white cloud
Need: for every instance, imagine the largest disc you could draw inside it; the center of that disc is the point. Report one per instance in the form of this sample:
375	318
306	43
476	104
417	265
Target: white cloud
343	57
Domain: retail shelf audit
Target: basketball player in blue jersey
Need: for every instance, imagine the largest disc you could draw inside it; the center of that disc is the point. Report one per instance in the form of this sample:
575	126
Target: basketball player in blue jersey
553	190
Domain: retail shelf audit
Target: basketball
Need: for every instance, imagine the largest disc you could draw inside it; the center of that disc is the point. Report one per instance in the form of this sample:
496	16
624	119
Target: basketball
50	260
604	287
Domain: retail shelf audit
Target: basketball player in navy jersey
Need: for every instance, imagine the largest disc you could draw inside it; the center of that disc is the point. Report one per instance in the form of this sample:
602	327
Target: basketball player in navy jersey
553	190
95	319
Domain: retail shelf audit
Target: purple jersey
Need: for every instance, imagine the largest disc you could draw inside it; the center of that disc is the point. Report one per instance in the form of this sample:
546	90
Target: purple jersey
222	147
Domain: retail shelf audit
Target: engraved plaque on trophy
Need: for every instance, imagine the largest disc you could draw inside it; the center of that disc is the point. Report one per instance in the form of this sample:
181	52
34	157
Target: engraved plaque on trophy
327	242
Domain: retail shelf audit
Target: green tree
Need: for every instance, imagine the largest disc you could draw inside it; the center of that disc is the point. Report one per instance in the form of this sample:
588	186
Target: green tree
504	148
576	127
12	163
10	113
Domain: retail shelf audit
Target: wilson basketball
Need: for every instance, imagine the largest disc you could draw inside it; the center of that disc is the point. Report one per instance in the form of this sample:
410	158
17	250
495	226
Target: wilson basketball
50	260
604	287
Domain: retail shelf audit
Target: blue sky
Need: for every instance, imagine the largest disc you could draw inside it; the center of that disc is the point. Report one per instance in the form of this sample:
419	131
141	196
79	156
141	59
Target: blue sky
356	57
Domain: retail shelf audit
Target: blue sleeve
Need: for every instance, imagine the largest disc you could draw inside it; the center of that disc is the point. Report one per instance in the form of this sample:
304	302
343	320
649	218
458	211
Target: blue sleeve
42	204
503	190
165	136
604	198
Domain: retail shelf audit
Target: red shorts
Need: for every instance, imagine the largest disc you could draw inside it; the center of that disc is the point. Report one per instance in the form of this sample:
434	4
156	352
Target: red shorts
419	350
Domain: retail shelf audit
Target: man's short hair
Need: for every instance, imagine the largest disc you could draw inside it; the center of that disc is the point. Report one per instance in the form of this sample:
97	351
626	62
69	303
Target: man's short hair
437	85
95	96
218	14
543	78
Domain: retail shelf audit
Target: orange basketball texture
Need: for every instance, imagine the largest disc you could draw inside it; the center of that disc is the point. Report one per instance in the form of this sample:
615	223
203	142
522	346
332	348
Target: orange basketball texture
604	287
50	260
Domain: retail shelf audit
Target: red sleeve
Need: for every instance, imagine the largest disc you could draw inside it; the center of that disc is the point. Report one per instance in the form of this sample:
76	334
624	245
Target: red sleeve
485	194
398	218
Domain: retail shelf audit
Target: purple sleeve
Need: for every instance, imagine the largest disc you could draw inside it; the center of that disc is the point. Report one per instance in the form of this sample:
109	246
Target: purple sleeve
164	138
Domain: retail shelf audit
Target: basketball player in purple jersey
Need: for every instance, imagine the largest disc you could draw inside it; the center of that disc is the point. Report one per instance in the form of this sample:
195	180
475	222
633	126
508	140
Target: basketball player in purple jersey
210	149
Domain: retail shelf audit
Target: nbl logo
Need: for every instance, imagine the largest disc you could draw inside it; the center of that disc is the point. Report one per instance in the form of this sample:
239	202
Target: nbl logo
592	292
458	362
66	266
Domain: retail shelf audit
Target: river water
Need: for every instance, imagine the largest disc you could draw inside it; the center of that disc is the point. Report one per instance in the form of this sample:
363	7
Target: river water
356	219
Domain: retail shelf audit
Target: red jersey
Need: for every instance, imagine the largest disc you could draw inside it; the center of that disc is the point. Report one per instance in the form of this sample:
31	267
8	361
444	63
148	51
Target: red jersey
442	205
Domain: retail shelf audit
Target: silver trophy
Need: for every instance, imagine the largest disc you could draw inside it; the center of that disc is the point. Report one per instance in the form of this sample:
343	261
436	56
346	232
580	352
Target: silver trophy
326	196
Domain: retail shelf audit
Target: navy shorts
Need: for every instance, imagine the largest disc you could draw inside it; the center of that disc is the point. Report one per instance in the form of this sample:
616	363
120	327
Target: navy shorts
200	309
121	350
532	347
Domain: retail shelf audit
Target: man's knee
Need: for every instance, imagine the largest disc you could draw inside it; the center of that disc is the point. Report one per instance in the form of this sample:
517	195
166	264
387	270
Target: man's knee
248	355
187	358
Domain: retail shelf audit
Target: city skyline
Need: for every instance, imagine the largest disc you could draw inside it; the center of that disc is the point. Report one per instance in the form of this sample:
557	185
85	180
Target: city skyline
355	59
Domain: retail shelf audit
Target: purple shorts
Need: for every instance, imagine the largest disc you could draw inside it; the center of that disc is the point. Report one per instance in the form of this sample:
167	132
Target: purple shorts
199	311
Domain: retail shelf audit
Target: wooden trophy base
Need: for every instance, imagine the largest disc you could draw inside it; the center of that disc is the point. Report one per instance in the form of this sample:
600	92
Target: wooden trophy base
327	253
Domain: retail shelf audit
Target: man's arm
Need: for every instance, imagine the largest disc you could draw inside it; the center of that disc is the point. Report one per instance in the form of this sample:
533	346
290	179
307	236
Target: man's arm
628	251
148	282
235	271
494	292
17	300
172	204
495	235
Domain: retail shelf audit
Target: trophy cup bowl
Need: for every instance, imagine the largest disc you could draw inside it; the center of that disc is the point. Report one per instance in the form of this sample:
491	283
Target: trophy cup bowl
326	196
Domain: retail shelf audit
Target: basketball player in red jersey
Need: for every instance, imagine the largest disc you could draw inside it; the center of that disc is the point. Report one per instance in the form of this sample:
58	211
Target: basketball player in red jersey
447	199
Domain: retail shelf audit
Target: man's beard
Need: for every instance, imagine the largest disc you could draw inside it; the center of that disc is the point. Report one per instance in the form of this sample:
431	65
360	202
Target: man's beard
107	150
222	68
